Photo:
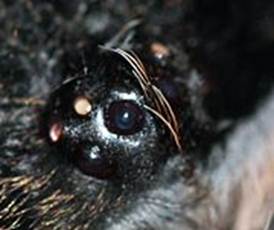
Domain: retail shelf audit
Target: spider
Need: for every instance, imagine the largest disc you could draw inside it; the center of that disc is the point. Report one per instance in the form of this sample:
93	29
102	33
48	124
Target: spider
160	122
109	128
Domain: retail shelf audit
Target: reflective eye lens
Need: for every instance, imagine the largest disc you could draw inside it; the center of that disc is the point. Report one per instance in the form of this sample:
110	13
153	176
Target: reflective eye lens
82	106
92	163
124	118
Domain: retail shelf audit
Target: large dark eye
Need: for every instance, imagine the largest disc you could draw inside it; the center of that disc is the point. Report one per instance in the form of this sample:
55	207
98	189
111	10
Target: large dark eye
90	161
124	117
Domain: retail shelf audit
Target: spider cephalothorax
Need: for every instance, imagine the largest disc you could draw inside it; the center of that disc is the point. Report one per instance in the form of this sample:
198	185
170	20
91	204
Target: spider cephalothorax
113	120
122	125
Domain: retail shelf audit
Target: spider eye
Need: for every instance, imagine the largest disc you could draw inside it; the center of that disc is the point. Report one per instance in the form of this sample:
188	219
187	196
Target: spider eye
82	106
124	117
91	162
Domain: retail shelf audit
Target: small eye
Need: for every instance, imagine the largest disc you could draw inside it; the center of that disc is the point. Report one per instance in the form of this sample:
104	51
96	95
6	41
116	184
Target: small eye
159	50
124	117
56	132
82	106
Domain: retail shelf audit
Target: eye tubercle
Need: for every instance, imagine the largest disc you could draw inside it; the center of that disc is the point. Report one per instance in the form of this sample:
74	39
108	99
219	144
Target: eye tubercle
82	106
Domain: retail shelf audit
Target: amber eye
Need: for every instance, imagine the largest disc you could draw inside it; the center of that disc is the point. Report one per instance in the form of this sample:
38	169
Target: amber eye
124	117
82	106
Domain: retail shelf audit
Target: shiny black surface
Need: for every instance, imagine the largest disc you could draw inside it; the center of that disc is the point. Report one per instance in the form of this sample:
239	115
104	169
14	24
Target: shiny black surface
219	57
124	117
118	139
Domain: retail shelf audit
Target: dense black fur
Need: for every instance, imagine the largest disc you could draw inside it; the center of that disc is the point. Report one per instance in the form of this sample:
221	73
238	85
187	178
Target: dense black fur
222	62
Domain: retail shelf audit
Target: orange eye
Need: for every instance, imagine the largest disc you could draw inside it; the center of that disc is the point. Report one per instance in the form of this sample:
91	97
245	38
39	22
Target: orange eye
82	106
159	50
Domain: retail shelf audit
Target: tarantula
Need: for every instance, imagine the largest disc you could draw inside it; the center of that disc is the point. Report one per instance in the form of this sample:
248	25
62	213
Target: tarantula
136	115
